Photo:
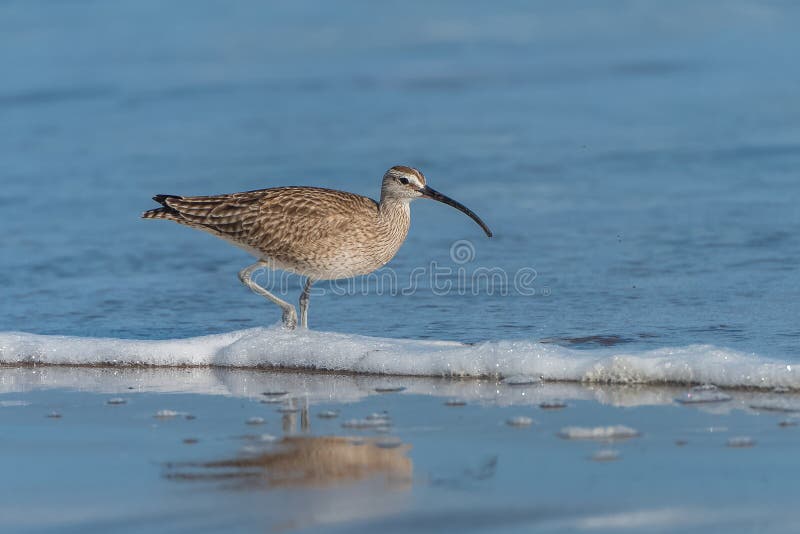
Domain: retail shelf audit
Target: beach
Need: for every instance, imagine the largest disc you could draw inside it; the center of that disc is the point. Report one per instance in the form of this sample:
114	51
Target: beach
620	356
97	448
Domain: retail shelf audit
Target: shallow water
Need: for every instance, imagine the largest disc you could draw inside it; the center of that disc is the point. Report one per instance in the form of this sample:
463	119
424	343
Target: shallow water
636	161
641	160
653	465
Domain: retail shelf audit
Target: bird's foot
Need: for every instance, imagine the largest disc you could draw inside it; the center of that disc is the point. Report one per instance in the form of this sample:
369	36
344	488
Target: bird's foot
289	318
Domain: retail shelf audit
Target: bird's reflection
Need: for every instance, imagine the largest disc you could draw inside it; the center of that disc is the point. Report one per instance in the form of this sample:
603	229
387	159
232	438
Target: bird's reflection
290	411
307	461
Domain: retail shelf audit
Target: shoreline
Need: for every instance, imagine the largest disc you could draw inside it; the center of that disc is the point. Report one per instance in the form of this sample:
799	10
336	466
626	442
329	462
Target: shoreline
329	372
275	349
258	450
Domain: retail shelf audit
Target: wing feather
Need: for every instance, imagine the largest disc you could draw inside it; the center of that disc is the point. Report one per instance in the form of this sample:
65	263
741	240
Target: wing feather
282	221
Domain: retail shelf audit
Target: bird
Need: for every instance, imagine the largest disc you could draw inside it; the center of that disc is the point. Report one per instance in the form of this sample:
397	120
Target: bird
318	233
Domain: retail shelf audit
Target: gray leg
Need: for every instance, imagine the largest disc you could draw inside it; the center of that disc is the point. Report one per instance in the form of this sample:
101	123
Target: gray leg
305	296
289	315
305	422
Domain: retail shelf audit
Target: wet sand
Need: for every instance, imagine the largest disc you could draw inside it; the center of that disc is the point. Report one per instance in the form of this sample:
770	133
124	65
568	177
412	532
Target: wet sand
99	449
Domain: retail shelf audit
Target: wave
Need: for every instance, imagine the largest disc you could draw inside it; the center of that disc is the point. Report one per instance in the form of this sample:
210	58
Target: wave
347	353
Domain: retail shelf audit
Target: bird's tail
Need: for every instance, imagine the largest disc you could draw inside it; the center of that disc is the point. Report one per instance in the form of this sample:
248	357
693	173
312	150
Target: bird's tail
164	212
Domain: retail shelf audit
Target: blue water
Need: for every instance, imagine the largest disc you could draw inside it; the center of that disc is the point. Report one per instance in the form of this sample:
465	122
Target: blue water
642	158
116	468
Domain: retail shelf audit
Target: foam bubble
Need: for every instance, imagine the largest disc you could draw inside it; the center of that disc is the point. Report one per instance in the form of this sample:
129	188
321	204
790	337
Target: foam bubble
520	380
555	404
705	394
279	348
605	455
10	403
519	421
601	433
741	442
166	414
255	421
366	423
389	389
777	405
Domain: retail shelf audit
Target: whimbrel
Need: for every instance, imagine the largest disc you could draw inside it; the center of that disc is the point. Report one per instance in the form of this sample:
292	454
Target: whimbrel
318	233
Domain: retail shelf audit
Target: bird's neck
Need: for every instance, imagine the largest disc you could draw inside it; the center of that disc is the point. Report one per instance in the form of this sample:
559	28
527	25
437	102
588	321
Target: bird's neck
394	215
395	209
393	222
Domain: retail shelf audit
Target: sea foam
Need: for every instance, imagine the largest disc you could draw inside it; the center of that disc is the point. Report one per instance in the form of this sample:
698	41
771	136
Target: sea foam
277	348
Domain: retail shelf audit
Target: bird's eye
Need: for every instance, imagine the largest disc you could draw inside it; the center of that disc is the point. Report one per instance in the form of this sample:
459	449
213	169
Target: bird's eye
404	181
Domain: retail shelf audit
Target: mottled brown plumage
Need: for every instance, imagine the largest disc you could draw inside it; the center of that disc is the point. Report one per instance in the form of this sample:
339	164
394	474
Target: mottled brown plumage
322	234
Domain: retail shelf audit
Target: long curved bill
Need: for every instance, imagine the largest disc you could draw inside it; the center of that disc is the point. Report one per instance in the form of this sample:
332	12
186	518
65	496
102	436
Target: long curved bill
435	195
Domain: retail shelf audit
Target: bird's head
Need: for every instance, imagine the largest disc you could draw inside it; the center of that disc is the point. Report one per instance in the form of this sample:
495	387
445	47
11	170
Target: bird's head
406	184
401	182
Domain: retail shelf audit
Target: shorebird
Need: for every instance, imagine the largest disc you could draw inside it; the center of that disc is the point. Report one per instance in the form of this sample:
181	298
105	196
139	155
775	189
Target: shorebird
322	234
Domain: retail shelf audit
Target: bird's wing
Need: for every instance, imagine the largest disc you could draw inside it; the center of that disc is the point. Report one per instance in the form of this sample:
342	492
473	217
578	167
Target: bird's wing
292	217
272	220
230	216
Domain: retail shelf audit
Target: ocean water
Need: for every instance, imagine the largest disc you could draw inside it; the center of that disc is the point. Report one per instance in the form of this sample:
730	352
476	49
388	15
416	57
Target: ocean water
636	161
638	164
174	450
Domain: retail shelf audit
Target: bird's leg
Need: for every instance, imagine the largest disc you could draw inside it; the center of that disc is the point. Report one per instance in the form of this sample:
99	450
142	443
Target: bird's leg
305	296
289	315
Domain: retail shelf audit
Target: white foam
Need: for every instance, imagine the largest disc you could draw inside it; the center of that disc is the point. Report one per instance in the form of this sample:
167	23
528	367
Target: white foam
741	442
255	421
704	394
166	414
776	405
367	423
519	421
606	455
275	347
13	403
601	433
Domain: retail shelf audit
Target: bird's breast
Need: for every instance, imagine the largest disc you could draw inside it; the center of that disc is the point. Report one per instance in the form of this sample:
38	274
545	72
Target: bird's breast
354	247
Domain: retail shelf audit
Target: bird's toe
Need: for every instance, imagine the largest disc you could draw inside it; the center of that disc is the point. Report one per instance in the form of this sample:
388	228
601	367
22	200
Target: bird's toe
289	318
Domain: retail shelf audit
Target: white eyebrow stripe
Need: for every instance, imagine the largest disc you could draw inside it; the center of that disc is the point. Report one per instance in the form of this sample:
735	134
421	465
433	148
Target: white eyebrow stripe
414	180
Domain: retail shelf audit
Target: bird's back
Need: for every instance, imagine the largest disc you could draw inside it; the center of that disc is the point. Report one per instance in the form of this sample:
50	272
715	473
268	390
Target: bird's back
312	231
